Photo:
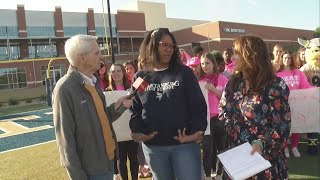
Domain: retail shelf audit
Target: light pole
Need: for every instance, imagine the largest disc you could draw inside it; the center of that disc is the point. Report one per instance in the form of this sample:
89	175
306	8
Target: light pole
110	30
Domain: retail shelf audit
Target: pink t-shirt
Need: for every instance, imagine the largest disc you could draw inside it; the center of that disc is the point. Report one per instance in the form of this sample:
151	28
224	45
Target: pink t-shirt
219	82
294	79
119	87
230	67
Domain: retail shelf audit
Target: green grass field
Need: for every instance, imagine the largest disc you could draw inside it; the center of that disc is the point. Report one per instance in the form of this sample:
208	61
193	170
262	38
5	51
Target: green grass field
22	108
42	162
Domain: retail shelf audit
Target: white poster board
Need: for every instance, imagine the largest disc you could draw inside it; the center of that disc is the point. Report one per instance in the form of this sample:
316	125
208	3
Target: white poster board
205	94
305	110
121	125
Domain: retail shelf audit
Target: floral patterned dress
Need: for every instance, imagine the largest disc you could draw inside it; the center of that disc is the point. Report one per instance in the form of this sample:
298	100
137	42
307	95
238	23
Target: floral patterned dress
265	116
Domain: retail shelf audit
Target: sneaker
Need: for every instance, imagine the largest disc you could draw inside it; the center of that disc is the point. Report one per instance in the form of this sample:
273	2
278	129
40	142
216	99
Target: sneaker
116	177
295	152
286	152
218	177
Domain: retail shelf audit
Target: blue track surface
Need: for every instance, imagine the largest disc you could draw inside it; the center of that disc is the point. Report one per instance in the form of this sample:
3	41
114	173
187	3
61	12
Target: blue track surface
30	138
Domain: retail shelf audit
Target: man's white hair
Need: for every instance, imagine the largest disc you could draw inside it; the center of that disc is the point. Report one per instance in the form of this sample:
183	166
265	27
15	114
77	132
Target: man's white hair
77	45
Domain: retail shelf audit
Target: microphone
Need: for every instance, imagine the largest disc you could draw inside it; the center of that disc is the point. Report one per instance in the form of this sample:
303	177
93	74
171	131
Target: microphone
140	85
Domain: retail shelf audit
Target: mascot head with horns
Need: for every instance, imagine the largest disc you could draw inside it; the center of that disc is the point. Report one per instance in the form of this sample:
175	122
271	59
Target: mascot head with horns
312	71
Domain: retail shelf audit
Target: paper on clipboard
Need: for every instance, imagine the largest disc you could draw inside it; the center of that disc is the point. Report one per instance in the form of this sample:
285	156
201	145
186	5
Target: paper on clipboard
240	164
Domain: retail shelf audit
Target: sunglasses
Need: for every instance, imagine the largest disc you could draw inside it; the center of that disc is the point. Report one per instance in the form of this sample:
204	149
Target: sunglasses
168	46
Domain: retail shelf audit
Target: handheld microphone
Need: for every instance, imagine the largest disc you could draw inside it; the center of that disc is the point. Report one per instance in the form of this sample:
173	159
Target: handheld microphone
140	85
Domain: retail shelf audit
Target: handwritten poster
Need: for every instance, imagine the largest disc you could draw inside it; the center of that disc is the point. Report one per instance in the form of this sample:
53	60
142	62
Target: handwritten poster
205	94
305	110
121	125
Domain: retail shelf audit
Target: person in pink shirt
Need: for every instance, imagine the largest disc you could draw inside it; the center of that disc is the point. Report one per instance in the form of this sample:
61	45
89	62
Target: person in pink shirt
127	149
103	80
300	57
194	64
277	51
131	69
184	56
144	169
216	140
227	54
294	79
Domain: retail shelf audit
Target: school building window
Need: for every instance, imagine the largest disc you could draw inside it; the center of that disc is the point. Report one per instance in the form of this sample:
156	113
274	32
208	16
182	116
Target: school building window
56	72
13	78
8	31
42	31
71	31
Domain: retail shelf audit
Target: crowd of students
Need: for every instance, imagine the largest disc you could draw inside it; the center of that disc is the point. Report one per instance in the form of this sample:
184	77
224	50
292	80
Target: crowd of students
214	68
248	96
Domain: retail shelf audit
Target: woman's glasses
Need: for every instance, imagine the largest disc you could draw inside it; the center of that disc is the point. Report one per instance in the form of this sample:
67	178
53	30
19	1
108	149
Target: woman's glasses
168	46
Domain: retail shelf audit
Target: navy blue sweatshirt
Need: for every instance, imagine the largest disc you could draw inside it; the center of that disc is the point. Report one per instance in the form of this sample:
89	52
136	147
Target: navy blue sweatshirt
173	100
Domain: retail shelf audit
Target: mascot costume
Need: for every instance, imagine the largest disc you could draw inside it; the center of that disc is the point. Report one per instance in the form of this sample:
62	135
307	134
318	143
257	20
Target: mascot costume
312	71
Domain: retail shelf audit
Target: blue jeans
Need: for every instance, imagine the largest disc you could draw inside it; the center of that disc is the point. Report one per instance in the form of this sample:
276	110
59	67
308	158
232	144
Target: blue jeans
106	176
177	162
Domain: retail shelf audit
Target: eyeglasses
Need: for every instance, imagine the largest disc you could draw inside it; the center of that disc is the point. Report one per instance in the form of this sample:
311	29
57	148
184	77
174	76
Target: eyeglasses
169	46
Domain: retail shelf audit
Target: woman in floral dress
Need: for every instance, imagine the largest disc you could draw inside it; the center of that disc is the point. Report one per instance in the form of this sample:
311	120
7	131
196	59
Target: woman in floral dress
255	106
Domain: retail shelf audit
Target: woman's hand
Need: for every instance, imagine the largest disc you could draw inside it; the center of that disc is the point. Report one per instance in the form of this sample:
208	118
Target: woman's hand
139	137
256	148
183	138
210	87
213	89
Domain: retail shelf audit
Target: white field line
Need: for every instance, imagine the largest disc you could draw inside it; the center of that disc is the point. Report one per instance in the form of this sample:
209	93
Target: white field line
27	147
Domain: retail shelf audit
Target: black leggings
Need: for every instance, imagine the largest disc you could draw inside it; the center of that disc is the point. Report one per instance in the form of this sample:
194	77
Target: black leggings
211	145
128	149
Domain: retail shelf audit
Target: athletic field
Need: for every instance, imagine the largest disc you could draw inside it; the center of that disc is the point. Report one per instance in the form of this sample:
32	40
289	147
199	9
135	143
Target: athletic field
28	150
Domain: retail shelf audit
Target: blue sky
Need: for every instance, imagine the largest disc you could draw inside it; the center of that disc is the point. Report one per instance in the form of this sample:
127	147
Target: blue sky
299	14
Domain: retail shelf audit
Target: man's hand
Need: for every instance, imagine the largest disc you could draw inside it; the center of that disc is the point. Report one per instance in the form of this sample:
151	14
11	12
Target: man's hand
183	138
139	137
127	103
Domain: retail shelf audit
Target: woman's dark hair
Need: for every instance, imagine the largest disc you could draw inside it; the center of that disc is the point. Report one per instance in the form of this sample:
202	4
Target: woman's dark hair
132	64
196	50
298	61
112	86
218	56
254	64
149	54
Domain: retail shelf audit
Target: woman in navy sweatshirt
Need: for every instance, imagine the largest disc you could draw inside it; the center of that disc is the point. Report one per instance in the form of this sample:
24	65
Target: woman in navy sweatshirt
169	117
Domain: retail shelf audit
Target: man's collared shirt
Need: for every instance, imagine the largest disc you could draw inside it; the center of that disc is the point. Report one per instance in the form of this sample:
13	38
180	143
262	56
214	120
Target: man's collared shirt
92	81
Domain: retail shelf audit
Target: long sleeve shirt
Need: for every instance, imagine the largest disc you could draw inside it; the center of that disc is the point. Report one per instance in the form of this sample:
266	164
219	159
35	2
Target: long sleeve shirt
173	100
219	81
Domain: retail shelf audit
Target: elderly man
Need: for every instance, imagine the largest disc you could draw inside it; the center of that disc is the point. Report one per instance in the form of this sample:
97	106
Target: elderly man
85	137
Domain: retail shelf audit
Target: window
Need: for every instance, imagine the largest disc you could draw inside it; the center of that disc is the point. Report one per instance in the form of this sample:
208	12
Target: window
13	78
71	31
8	31
9	52
44	31
56	72
100	31
42	51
